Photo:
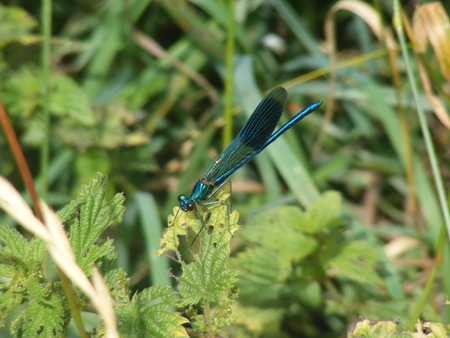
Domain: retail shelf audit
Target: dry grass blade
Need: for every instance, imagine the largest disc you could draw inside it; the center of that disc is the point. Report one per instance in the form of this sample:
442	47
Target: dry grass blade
59	248
158	51
370	16
431	24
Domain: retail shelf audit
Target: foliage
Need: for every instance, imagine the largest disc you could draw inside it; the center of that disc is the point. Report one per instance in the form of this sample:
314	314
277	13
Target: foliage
135	91
148	314
302	259
390	328
38	304
206	281
45	311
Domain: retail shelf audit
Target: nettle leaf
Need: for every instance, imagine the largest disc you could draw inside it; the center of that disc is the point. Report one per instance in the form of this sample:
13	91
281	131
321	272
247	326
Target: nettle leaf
17	249
15	25
91	161
354	260
117	281
43	312
277	230
43	316
323	213
148	315
8	271
11	296
91	215
178	225
116	126
17	91
260	278
207	278
69	210
260	321
68	102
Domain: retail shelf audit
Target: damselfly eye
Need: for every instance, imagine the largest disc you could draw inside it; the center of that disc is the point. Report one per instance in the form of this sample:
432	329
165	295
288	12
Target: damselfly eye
180	197
190	206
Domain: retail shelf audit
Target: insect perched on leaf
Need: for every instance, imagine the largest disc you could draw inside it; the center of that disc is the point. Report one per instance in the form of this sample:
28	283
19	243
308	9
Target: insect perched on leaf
257	134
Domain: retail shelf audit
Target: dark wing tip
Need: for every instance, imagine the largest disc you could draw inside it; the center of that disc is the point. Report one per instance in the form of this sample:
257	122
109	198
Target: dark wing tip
278	94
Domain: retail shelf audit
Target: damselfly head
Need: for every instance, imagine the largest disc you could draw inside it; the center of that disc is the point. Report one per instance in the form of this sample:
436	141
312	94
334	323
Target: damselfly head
186	204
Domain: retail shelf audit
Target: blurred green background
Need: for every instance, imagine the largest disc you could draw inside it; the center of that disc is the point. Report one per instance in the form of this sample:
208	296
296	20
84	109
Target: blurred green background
138	91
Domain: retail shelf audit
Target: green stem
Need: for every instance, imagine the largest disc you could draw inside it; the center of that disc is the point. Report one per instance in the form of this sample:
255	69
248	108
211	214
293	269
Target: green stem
46	57
422	121
207	315
228	127
430	282
433	161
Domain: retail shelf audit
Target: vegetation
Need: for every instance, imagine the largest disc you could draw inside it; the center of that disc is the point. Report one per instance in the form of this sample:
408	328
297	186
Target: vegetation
119	107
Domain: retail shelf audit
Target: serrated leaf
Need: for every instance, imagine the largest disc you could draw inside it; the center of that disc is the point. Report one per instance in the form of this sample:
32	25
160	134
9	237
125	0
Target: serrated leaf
68	100
69	210
14	243
354	260
259	275
117	281
41	317
7	271
260	320
148	315
25	271
18	88
15	24
323	213
91	217
92	161
30	254
96	252
277	229
180	222
207	278
11	296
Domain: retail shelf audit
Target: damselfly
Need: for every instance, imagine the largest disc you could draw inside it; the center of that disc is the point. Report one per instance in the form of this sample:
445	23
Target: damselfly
256	135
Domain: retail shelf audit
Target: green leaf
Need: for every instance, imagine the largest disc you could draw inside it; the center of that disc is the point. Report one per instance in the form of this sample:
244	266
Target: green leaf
148	315
15	25
353	260
260	278
30	255
181	222
278	231
7	271
178	226
68	100
90	215
260	321
91	161
43	316
207	278
11	296
365	328
323	213
118	283
43	313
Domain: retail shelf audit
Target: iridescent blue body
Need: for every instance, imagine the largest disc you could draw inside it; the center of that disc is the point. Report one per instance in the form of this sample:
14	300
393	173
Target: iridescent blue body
257	134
